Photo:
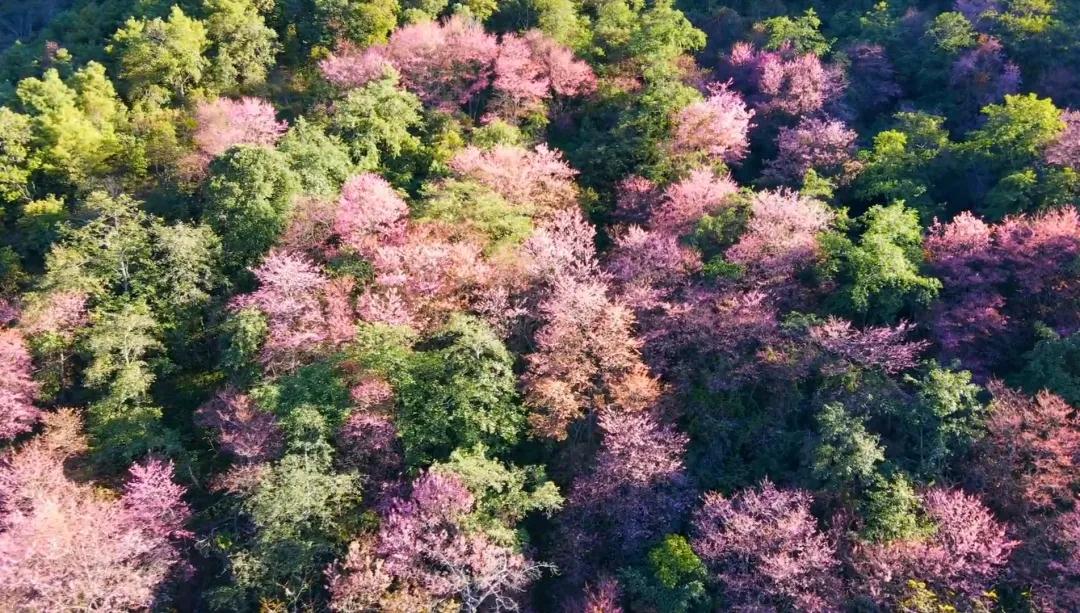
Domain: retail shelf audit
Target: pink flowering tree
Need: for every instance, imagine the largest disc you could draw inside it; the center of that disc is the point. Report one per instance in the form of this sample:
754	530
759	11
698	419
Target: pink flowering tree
536	181
885	348
446	64
686	201
223	123
998	279
1029	460
66	547
17	387
871	81
984	75
305	311
586	358
764	549
369	213
713	130
531	69
425	551
823	145
965	555
636	491
242	429
1065	150
783	81
781	236
647	267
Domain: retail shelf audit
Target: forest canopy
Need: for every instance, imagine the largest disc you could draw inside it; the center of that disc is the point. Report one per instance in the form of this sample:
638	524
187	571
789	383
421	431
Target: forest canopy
540	305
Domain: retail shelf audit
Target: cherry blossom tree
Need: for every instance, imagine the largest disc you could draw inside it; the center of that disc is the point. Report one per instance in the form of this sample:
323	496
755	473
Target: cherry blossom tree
764	549
66	547
530	69
304	310
242	428
223	123
369	213
17	387
1065	150
871	79
635	492
984	75
537	181
715	128
648	266
424	548
884	347
783	81
781	236
824	145
562	246
586	357
966	553
1030	457
686	201
980	265
445	64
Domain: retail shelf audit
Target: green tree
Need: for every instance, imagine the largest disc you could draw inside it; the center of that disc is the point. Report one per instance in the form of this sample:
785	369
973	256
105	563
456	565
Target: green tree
891	510
302	513
674	580
459	391
321	162
161	58
241	44
845	454
905	162
803	33
1053	364
504	494
944	422
475	208
15	167
881	272
123	423
377	122
75	125
248	202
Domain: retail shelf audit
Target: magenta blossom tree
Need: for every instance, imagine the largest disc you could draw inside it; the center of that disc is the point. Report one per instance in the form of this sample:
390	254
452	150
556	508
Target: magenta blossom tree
783	81
369	213
242	428
824	145
764	549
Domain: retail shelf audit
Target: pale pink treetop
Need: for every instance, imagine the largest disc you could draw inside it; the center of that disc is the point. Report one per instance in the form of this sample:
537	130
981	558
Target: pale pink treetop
66	547
882	347
561	246
223	123
685	202
763	546
304	309
1030	456
445	64
584	350
530	69
783	81
984	75
635	492
17	387
648	265
60	313
369	213
538	180
424	547
716	127
781	236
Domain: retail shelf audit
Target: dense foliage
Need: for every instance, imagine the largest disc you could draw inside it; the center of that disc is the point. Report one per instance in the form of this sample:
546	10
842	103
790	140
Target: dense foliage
540	305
